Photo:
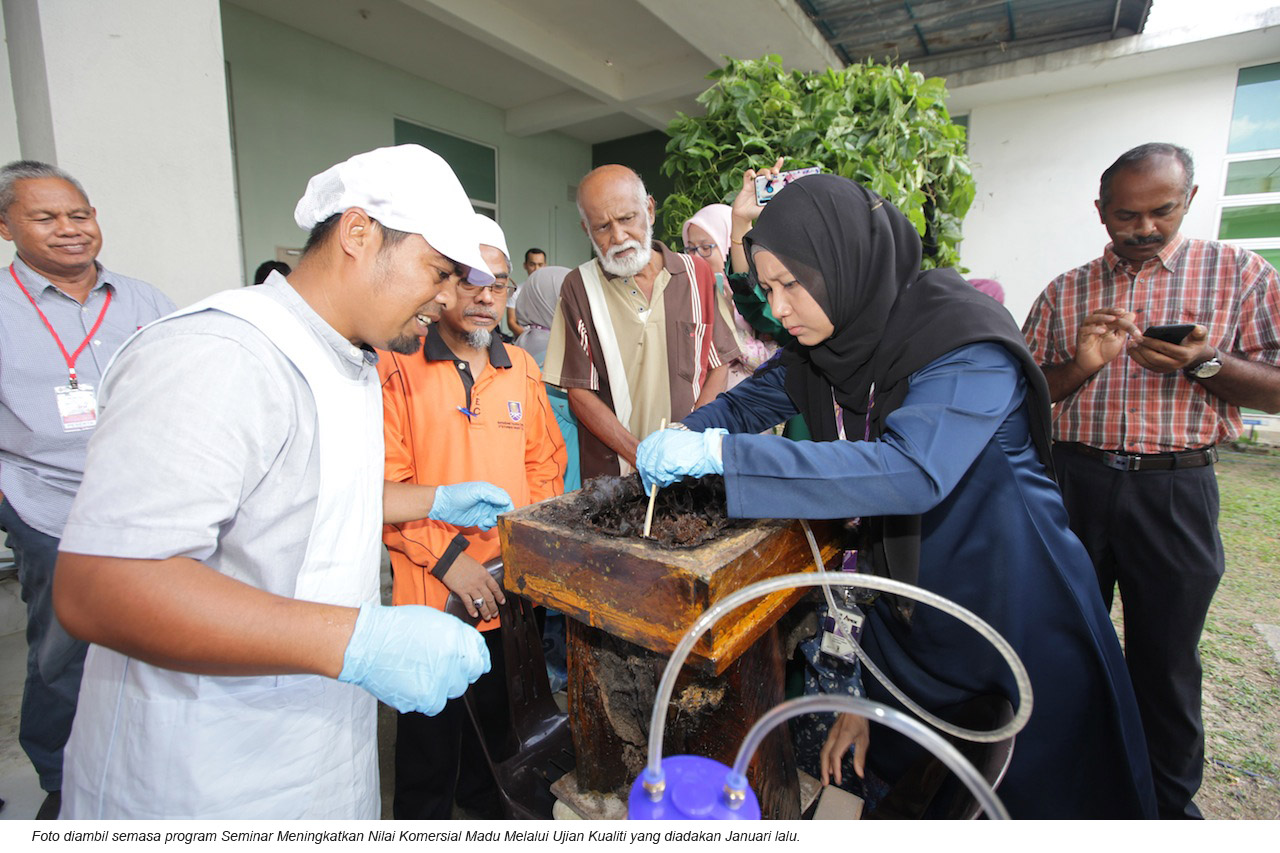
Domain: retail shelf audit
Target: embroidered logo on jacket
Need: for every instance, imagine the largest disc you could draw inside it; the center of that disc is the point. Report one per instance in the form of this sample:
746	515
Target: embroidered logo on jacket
513	409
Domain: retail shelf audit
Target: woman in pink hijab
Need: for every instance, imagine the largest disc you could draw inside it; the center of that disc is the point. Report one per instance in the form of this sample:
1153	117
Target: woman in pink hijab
706	233
989	286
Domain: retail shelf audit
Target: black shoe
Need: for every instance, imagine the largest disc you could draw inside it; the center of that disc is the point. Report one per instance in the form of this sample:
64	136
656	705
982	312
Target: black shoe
50	807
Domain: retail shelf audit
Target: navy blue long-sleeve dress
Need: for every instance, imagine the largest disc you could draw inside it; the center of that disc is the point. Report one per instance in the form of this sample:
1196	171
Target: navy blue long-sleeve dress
994	538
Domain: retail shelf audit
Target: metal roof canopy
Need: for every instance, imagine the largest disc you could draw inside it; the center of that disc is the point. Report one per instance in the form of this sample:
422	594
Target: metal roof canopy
941	37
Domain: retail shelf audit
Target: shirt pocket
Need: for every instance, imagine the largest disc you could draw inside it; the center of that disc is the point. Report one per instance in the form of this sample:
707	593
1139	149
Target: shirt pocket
1217	331
689	338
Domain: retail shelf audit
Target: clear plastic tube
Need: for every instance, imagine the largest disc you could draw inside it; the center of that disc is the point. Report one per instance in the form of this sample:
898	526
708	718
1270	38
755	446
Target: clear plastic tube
897	693
657	723
894	719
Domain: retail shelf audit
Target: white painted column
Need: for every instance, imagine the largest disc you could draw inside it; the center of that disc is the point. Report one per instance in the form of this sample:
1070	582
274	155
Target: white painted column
9	148
130	97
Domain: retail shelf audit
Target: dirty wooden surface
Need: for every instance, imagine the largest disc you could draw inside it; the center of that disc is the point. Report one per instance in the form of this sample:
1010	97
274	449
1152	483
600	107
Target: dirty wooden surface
629	601
649	595
611	692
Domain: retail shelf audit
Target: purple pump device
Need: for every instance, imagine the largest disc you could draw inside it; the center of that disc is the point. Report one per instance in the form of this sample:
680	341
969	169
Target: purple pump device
690	787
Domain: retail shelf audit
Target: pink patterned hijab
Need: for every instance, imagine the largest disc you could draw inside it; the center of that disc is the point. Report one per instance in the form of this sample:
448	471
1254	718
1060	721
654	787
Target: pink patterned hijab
716	220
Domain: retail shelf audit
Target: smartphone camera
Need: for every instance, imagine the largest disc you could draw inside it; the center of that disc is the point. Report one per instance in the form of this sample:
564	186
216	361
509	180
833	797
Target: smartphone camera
768	186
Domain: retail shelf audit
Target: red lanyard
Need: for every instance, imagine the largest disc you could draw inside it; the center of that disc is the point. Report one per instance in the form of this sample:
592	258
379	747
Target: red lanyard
70	357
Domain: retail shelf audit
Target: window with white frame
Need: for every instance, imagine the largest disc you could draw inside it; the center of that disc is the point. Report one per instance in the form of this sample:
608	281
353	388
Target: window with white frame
475	163
1249	213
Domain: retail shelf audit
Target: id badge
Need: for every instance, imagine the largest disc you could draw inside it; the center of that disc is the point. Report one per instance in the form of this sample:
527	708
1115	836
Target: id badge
78	407
841	631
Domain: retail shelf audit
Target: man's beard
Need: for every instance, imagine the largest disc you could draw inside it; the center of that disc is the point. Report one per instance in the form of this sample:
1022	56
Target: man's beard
627	266
479	338
400	344
404	344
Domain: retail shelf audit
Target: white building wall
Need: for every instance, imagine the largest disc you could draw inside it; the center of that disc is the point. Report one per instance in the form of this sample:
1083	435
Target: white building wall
129	97
301	104
9	147
1042	130
1037	162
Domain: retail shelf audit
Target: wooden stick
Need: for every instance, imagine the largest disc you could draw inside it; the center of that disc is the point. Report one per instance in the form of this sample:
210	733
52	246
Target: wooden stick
653	495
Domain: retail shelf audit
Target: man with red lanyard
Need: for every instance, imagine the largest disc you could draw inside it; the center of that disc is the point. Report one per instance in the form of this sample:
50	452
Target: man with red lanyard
62	316
1136	422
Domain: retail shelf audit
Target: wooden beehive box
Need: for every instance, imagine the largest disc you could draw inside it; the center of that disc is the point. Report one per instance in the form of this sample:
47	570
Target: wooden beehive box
649	595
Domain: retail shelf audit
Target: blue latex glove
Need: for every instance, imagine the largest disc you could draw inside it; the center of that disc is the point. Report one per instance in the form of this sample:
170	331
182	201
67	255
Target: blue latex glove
669	455
472	504
413	658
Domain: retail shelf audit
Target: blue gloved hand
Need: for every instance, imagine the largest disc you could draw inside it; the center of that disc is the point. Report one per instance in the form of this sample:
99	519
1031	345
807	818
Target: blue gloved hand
472	504
669	455
413	658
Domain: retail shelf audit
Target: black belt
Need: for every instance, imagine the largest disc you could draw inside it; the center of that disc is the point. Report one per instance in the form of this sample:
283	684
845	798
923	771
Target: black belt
1197	458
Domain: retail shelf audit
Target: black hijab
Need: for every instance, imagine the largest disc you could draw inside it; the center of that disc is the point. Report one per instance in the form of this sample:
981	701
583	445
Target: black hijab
858	256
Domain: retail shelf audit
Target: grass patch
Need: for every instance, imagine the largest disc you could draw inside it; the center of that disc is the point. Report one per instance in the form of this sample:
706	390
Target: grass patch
1241	675
1241	687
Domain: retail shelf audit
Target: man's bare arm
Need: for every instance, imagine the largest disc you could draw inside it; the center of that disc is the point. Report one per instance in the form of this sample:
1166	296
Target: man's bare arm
1101	338
717	381
1242	382
601	422
180	614
403	502
467	504
516	328
1063	379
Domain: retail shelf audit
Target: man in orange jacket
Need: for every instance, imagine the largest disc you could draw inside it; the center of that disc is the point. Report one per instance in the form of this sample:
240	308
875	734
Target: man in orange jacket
468	407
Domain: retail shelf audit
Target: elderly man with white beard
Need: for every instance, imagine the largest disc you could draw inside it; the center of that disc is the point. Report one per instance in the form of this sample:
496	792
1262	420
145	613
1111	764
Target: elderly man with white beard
627	367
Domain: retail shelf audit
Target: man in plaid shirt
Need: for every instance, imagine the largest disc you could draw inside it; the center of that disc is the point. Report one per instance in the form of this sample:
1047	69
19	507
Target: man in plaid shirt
1136	421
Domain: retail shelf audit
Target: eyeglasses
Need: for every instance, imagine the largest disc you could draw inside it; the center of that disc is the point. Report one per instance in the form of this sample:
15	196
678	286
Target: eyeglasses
499	291
704	249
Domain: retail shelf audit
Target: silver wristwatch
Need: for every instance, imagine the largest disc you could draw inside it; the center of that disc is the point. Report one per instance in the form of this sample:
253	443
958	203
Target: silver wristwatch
1205	369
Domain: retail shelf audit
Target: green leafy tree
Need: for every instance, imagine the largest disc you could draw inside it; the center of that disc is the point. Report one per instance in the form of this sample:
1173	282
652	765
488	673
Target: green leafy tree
885	126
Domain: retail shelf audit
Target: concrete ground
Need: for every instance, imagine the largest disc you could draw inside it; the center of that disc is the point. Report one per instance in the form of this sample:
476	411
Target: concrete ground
18	784
20	789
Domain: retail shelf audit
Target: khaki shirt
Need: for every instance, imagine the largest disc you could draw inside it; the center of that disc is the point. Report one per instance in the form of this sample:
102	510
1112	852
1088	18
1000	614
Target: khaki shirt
668	345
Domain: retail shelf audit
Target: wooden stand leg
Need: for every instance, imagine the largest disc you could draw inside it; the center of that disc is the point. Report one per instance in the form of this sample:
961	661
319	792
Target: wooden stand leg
611	693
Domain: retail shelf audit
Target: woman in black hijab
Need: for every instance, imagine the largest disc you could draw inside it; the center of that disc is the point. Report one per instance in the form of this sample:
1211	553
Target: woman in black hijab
947	464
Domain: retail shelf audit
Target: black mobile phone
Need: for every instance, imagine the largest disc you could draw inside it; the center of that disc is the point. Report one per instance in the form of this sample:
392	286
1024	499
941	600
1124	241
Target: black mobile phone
1172	334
